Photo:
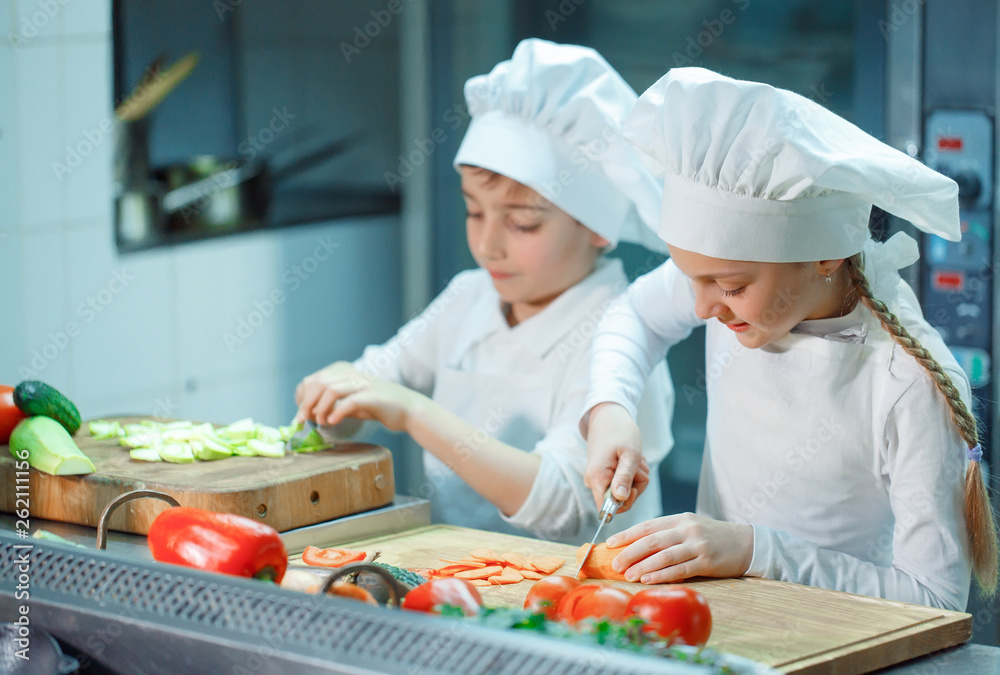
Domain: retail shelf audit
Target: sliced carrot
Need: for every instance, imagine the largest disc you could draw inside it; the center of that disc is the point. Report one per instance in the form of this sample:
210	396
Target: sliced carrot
529	574
480	582
331	557
467	563
512	575
547	564
497	580
347	590
484	554
450	570
517	560
484	573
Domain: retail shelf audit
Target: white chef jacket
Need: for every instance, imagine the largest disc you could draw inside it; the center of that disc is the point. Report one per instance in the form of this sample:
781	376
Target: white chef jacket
523	385
831	441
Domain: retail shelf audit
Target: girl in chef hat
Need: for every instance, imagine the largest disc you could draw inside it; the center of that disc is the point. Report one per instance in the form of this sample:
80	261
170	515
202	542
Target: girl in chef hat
491	377
840	451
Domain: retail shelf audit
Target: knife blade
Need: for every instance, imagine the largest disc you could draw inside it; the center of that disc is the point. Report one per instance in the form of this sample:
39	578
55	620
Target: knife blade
608	510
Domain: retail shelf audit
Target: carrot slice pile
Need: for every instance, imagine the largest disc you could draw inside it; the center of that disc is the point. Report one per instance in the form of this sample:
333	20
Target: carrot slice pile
485	567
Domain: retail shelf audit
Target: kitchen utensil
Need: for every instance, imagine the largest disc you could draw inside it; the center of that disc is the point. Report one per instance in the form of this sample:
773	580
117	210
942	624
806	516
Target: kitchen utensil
608	511
152	90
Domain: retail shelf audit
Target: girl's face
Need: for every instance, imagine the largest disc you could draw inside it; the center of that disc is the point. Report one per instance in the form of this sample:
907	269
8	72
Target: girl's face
762	302
532	250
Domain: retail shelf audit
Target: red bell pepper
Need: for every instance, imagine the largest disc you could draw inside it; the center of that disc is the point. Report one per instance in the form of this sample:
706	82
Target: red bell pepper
218	542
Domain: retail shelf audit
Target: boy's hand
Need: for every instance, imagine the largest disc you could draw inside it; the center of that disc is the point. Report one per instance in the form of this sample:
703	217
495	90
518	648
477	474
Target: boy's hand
678	547
340	391
614	456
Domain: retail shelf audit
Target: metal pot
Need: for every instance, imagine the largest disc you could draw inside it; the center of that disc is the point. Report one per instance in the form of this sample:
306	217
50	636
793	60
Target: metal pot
212	193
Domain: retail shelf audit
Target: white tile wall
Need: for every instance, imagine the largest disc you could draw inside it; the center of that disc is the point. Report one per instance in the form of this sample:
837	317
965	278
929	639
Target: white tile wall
258	394
39	79
126	312
47	326
7	11
11	305
223	292
39	21
10	192
89	125
83	17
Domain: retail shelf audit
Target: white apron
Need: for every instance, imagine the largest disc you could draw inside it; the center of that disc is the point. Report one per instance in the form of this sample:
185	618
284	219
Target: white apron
513	408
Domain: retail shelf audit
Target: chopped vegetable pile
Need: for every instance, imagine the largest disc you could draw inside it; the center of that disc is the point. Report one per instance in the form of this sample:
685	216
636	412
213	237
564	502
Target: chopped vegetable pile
183	441
484	567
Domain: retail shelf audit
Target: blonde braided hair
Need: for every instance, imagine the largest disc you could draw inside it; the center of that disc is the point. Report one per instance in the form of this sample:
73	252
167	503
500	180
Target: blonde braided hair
978	511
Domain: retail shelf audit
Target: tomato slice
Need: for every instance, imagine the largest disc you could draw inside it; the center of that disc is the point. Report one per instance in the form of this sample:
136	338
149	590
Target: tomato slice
677	613
10	414
591	601
331	557
545	595
432	596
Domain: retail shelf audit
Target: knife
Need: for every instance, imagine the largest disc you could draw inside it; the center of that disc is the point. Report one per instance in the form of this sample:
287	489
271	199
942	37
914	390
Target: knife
610	508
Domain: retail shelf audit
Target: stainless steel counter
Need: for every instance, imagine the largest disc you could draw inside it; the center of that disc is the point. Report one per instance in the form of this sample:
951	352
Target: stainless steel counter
406	513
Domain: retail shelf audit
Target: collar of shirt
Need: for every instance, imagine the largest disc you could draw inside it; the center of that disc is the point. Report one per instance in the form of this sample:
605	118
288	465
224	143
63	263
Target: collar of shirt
849	328
588	299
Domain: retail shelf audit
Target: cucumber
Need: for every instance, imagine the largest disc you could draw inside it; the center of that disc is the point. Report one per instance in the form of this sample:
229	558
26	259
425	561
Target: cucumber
48	447
406	577
37	398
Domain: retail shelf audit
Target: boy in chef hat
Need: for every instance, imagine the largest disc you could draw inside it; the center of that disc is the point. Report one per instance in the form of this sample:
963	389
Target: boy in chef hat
491	377
840	451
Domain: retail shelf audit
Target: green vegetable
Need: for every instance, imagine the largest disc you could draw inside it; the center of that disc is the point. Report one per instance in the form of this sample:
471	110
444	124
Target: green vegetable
313	442
48	447
628	636
177	453
52	536
266	449
403	576
37	398
101	429
144	455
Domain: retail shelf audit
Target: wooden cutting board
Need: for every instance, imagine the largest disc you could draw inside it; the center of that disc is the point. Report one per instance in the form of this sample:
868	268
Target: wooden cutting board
288	492
793	628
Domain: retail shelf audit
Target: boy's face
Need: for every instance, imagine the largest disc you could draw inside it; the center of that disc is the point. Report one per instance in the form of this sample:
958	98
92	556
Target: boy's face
762	302
532	249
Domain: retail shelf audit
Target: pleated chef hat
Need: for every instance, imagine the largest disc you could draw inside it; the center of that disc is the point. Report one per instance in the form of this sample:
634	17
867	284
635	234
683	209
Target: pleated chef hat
761	174
550	118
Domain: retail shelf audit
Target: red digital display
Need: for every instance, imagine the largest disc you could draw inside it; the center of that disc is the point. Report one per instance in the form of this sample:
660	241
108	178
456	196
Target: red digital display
952	143
948	281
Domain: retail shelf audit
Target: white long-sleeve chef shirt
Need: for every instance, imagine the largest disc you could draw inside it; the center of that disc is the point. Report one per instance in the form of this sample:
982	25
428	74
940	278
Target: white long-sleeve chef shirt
832	442
524	385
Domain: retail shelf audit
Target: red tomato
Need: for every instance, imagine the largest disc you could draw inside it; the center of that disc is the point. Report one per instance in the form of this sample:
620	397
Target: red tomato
593	601
437	593
544	596
677	613
10	414
331	557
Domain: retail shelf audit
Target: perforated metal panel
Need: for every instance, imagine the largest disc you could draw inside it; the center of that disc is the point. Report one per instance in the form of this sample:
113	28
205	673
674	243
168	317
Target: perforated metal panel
221	620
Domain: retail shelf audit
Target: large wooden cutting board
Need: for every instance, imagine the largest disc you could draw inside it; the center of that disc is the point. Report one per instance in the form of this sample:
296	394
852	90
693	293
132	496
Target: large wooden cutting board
285	493
794	628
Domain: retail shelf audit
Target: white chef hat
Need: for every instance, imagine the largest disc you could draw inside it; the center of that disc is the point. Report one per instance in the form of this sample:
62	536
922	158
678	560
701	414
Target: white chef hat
756	173
550	118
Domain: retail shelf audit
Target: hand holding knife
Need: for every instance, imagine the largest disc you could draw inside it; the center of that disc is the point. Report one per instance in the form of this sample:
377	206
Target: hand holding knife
608	510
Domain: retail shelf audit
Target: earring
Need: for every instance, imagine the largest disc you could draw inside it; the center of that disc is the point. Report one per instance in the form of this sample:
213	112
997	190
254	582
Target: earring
828	279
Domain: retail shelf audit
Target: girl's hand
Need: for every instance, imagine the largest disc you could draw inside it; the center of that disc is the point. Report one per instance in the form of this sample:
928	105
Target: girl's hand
678	547
614	456
341	391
